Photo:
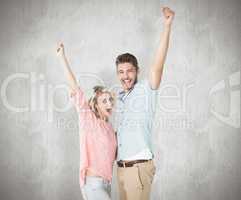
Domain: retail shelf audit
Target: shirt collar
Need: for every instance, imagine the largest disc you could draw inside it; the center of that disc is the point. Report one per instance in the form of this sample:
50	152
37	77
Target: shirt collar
123	94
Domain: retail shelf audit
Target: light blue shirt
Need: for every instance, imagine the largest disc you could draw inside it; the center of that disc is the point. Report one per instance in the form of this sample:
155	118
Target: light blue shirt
134	112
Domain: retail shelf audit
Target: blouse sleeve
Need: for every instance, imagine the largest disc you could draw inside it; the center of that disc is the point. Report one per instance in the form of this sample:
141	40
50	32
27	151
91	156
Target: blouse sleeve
84	161
87	118
78	100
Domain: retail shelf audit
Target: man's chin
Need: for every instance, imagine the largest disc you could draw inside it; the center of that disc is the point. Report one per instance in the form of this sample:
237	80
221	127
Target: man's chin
127	87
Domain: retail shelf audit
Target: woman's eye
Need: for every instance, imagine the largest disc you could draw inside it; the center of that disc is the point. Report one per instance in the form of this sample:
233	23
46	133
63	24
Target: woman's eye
104	101
111	99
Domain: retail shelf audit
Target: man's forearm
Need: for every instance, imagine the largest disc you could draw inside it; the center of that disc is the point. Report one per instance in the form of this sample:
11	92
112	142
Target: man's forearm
162	50
156	69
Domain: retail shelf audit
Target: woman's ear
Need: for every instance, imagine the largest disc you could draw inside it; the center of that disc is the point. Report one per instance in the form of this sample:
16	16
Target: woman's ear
113	95
97	107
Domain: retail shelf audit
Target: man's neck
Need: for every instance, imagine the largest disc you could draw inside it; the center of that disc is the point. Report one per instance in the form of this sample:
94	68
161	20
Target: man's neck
128	90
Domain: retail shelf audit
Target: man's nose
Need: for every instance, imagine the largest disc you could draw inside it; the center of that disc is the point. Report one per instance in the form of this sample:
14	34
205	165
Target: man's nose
125	75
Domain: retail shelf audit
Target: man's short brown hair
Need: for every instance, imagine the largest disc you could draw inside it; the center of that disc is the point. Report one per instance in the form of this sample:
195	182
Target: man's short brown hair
127	58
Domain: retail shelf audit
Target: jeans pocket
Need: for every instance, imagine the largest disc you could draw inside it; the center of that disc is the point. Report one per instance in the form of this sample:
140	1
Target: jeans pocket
153	169
139	177
84	194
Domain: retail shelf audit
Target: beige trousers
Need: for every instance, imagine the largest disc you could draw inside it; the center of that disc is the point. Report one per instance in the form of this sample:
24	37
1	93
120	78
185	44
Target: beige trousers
135	182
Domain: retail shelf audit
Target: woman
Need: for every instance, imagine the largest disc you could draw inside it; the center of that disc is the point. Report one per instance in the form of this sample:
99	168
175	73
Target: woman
97	139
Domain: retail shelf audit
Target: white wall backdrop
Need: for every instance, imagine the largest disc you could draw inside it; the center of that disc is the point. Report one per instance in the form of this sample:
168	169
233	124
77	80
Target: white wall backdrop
197	125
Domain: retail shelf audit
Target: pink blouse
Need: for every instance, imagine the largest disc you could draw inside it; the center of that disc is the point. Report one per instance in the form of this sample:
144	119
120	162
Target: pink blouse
97	141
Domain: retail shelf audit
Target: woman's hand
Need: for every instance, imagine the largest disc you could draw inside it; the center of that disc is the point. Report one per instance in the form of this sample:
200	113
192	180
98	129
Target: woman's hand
60	50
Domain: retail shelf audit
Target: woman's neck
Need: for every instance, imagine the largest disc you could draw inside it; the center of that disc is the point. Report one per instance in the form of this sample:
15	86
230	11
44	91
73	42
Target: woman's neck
102	117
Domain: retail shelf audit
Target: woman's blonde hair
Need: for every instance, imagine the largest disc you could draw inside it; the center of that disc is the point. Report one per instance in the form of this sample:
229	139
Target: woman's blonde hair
98	90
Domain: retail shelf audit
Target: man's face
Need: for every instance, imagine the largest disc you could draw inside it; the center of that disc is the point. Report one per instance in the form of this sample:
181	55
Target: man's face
127	75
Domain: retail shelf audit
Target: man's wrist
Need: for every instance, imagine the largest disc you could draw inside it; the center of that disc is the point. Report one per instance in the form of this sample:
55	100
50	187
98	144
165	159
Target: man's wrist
167	26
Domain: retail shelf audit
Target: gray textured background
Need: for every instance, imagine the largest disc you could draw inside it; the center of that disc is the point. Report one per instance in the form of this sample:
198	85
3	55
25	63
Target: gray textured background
197	133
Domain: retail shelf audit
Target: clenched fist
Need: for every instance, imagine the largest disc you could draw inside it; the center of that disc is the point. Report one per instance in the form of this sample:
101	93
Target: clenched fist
168	15
60	50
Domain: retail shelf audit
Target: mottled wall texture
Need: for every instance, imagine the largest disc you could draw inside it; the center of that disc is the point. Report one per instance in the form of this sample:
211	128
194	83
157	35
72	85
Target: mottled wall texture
196	137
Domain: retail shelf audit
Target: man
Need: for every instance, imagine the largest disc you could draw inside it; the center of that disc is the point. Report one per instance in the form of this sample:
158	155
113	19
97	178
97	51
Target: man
135	105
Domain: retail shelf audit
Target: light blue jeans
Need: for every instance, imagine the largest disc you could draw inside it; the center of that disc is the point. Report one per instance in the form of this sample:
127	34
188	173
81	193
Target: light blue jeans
96	188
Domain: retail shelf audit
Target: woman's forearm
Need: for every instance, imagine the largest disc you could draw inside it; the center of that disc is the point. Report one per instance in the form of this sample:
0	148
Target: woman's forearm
72	82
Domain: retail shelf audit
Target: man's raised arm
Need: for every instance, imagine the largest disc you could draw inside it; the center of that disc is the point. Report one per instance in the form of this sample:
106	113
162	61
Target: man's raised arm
156	68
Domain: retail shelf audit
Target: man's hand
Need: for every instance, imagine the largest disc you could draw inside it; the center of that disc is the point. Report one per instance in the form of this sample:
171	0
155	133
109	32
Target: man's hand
168	15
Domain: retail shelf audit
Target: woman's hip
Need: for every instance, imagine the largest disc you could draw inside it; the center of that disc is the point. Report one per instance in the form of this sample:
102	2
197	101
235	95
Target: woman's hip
96	188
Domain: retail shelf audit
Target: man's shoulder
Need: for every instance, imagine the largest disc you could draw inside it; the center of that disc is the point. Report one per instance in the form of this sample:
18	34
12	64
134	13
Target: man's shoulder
142	82
145	84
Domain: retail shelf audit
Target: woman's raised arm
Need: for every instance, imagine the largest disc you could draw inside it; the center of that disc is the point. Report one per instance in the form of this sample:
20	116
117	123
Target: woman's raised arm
72	82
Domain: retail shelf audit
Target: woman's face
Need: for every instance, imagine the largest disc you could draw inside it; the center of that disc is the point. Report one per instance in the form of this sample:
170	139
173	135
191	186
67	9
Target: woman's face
105	103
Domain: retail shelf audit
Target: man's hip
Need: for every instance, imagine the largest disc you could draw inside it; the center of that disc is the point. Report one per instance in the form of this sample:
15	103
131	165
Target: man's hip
135	179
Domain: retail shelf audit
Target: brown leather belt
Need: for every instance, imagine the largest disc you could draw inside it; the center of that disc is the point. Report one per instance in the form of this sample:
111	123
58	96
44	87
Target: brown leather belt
130	163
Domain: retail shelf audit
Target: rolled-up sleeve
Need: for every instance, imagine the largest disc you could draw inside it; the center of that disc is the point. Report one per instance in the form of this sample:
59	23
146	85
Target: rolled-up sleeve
77	99
87	118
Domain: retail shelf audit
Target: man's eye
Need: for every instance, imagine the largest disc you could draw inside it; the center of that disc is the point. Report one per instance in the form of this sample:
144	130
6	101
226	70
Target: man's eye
111	99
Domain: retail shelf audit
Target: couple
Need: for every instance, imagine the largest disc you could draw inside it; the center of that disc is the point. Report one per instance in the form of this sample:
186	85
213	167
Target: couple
132	141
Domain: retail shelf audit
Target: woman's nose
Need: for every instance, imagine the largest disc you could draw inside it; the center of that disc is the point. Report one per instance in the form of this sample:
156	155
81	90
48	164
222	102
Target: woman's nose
109	104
